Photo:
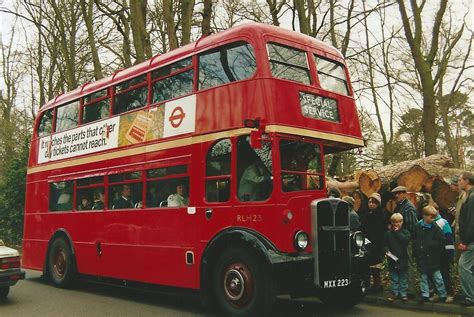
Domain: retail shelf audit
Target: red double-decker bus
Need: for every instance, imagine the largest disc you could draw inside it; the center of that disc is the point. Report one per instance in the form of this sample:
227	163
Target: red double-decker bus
202	168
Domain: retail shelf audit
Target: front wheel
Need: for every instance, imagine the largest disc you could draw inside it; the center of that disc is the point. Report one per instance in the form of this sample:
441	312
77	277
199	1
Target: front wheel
61	265
4	290
241	284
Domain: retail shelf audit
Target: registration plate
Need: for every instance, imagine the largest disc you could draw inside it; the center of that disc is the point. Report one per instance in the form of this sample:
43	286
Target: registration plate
336	283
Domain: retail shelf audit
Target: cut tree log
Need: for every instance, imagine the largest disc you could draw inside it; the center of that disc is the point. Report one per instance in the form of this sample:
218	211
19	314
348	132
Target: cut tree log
369	182
422	175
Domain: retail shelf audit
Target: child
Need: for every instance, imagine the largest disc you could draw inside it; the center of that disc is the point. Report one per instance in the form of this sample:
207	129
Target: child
428	245
447	256
395	247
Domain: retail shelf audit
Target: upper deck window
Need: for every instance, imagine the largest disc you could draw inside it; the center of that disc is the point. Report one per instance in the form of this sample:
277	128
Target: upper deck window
96	106
46	124
180	82
226	64
331	75
288	63
67	117
128	99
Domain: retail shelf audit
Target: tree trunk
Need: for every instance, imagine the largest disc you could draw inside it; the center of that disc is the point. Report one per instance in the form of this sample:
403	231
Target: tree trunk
66	46
141	38
206	18
168	16
87	13
272	6
302	17
187	8
424	64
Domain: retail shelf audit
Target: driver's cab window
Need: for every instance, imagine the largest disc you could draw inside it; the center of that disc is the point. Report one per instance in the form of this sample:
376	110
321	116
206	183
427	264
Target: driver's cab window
300	166
254	170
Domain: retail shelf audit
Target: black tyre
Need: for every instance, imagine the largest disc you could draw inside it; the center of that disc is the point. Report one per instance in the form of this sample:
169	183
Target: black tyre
242	285
61	264
4	290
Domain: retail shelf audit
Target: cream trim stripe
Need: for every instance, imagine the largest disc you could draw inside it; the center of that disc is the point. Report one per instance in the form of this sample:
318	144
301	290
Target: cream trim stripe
315	134
193	140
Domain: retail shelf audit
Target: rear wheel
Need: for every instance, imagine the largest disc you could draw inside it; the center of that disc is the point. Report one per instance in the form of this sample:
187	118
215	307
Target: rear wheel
4	290
241	285
61	266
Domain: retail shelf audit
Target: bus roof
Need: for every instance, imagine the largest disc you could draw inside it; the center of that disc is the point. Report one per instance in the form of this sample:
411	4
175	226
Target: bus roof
252	30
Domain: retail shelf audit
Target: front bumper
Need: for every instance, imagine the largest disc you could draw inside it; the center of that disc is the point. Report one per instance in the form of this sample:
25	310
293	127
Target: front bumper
295	273
10	277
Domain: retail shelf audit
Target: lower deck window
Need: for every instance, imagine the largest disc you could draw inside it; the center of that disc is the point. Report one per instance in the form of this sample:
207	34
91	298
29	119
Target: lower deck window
60	196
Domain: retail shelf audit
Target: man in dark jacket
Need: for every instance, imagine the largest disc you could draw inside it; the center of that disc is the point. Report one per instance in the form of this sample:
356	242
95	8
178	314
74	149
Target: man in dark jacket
405	208
466	233
428	245
124	201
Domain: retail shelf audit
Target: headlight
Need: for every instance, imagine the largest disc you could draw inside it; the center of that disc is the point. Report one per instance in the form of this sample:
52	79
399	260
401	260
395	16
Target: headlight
359	239
301	240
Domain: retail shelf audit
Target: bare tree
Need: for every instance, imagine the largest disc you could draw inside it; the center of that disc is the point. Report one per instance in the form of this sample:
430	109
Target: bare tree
87	14
141	38
206	18
424	55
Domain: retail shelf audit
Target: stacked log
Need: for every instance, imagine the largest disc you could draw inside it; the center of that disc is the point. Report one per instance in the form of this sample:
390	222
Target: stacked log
426	175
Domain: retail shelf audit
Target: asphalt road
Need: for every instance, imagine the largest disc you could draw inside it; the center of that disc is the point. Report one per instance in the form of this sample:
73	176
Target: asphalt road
35	297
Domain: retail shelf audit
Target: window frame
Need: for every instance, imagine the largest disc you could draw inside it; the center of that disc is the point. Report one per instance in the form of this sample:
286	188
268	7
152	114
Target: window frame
69	103
115	93
53	115
308	64
182	175
282	171
89	186
153	81
231	44
345	81
91	102
228	177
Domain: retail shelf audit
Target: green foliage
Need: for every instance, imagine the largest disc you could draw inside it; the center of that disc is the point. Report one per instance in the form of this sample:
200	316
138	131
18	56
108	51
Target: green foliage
12	197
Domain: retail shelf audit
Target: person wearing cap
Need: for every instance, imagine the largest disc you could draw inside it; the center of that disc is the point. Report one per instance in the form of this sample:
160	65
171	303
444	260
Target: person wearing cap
408	212
354	222
373	226
405	207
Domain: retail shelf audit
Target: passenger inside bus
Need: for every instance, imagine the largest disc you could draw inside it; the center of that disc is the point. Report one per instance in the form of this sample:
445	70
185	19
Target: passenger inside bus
85	203
98	200
63	192
255	181
180	198
124	201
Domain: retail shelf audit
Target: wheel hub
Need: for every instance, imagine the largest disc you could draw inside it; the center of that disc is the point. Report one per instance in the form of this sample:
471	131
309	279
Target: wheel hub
238	284
60	263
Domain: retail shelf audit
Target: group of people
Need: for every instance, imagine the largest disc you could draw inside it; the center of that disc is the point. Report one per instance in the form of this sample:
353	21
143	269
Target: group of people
178	199
97	202
427	245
